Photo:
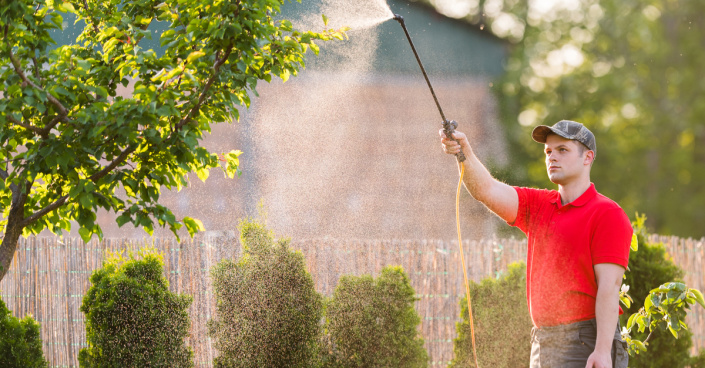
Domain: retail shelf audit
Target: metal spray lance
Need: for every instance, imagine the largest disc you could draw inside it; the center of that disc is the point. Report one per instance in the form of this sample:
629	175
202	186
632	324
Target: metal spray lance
448	129
448	125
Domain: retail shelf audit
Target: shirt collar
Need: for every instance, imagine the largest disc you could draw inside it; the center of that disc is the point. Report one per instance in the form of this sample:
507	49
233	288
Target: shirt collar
584	198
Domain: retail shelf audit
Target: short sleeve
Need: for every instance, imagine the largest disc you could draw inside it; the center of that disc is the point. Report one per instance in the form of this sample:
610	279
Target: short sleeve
530	199
522	218
611	238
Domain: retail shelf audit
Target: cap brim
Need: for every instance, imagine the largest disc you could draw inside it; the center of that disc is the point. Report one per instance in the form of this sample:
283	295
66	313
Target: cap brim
540	133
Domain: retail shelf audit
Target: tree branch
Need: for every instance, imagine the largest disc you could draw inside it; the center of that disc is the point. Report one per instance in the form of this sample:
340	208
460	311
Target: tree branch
8	161
26	126
651	332
37	215
95	177
63	112
4	174
18	69
36	68
117	161
95	27
216	68
52	124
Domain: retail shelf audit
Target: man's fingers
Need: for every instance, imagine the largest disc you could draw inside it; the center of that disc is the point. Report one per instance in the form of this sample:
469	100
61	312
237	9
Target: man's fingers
451	145
451	150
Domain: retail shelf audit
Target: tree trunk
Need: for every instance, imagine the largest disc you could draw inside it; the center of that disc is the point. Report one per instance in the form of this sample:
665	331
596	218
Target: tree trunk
8	248
13	230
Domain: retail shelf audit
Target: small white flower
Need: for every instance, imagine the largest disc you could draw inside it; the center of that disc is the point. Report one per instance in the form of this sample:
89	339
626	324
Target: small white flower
625	288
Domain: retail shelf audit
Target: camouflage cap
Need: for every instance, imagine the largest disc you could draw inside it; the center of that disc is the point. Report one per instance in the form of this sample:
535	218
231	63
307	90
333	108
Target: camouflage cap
567	129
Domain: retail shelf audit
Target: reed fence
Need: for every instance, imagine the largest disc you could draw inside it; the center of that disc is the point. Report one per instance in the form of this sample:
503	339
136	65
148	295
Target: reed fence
49	277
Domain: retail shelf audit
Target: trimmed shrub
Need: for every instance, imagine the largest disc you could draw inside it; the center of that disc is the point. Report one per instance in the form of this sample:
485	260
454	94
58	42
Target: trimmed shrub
132	319
650	267
502	323
268	312
697	361
20	342
372	323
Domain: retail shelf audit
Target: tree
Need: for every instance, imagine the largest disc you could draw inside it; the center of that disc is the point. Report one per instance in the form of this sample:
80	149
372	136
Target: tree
69	141
372	322
132	319
268	312
628	69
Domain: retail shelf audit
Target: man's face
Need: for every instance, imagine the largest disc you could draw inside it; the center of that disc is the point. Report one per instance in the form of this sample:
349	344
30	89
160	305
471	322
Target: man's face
564	160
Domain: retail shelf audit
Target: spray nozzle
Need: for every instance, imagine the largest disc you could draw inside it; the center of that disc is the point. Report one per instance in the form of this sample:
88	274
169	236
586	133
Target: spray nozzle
398	18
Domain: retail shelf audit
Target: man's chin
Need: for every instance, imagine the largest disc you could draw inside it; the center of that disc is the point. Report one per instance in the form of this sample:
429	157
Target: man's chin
555	179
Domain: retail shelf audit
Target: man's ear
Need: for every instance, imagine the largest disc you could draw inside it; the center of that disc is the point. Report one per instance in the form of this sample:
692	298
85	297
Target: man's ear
589	157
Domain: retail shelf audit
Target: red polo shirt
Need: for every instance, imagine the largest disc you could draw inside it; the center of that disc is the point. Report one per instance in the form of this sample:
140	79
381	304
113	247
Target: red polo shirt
565	242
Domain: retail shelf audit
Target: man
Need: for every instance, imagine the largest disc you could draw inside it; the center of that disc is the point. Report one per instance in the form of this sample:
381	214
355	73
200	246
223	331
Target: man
578	247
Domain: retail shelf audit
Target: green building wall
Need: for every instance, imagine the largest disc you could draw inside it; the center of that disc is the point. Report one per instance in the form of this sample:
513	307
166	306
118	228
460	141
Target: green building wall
446	46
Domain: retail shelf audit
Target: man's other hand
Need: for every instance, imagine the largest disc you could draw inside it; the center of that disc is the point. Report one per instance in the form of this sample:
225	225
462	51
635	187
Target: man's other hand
599	360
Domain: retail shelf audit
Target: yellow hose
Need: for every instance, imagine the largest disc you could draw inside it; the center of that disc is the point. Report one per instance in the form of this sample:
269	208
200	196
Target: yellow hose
462	261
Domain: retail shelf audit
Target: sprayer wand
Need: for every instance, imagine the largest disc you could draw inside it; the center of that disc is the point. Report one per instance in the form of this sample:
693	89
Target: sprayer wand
448	125
448	129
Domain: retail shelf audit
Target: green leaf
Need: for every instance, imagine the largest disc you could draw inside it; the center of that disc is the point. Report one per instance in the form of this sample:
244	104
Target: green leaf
76	190
194	55
631	320
173	72
86	200
193	225
698	297
648	303
123	219
635	243
14	90
673	331
325	19
285	74
640	345
64	7
149	228
203	174
85	234
625	301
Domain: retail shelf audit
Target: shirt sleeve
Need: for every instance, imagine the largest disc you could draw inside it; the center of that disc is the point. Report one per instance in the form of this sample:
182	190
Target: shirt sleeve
611	238
522	212
529	199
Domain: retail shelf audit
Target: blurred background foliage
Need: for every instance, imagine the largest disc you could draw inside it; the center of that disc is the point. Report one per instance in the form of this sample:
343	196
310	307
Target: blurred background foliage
630	70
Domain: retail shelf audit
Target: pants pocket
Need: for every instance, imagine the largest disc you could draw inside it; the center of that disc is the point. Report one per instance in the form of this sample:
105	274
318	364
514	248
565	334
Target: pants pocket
587	337
620	357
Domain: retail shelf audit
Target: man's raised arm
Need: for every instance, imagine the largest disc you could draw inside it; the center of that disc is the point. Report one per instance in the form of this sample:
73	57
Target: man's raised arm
499	197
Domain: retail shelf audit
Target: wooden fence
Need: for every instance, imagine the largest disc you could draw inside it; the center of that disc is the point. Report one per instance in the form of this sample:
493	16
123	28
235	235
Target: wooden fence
49	277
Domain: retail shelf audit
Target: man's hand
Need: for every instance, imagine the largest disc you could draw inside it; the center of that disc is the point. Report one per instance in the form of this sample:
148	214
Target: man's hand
599	360
453	145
